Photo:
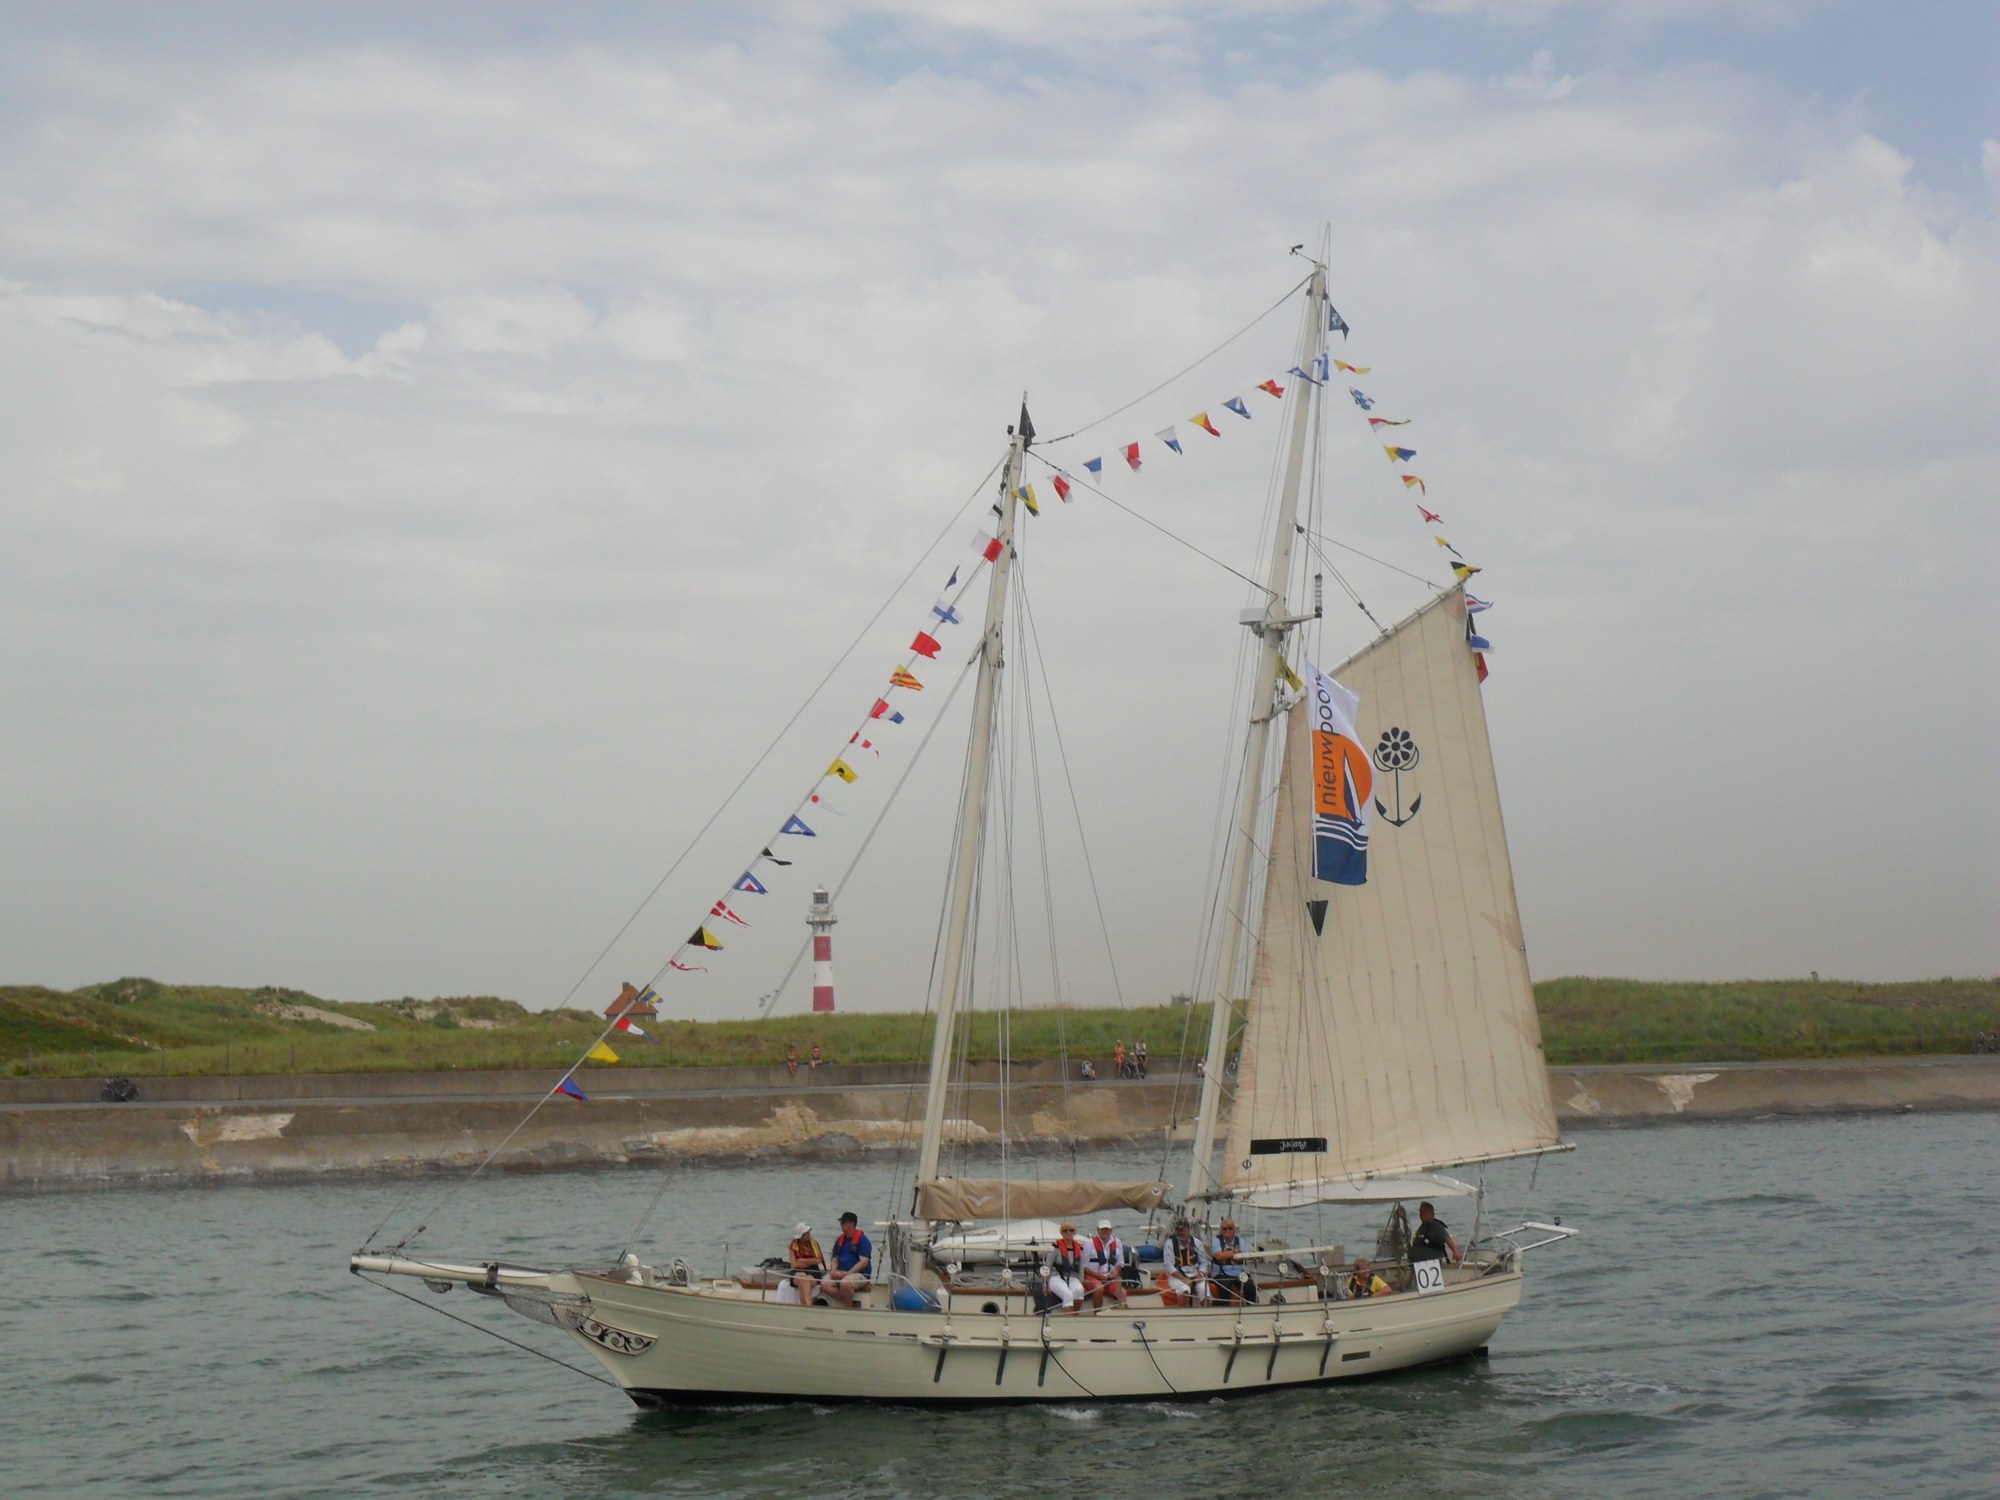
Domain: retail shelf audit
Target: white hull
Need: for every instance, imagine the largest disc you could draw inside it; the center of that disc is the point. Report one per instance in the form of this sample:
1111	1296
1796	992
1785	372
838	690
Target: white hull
710	1345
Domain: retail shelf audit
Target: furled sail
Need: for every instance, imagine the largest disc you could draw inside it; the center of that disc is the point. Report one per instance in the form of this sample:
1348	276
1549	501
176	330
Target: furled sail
968	1198
1391	1027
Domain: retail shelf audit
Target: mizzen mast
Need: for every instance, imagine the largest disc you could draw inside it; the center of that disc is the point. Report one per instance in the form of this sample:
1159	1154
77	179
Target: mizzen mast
972	805
1271	624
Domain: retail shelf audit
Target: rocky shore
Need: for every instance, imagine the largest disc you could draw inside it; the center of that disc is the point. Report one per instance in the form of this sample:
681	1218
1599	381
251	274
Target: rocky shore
54	1134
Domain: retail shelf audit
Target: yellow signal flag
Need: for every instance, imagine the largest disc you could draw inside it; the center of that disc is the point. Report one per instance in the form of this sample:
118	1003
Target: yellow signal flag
601	1053
1026	495
1463	570
1291	678
841	769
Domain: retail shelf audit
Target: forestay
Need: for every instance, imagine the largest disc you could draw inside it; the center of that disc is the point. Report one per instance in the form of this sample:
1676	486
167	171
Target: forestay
1391	1030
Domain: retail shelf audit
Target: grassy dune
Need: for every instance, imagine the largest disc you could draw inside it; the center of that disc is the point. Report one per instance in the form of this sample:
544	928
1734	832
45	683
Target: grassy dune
140	1026
1624	1020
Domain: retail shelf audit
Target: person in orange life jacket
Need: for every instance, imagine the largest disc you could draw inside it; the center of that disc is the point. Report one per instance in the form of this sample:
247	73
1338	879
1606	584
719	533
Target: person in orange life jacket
1365	1283
1433	1240
808	1262
852	1257
1104	1266
1187	1271
1225	1254
1066	1269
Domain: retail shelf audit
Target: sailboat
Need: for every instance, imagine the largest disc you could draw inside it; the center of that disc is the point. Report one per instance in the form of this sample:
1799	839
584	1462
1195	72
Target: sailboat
1387	1033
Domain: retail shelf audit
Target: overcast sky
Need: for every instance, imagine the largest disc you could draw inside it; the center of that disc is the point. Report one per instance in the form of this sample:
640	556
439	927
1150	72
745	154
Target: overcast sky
441	446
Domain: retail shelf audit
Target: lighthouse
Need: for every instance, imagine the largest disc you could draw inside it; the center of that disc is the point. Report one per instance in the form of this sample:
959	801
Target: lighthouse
821	919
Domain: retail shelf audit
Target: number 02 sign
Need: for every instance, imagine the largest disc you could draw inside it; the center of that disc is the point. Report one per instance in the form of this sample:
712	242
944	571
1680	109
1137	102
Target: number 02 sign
1427	1275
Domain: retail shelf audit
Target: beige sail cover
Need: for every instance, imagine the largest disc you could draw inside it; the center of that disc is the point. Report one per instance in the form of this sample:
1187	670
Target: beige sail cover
967	1198
1405	1033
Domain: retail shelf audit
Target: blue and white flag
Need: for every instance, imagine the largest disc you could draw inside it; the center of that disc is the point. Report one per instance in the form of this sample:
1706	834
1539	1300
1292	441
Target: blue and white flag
797	824
1168	436
1095	465
1366	403
1235	404
1343	782
945	613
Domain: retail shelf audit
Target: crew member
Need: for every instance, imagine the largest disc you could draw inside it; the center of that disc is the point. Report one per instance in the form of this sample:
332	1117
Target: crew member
1066	1270
1186	1273
1104	1266
852	1257
1433	1240
808	1262
1225	1254
1365	1283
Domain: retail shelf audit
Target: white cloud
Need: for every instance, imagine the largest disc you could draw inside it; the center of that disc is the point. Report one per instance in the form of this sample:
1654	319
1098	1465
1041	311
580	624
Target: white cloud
407	671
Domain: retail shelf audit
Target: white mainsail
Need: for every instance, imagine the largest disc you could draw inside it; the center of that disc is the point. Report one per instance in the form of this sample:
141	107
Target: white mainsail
1396	1022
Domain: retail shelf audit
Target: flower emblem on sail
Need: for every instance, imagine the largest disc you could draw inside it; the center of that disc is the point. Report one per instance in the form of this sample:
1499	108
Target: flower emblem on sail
1395	753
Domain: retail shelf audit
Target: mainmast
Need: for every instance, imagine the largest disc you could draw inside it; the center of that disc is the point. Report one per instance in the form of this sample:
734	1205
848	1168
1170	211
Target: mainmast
972	804
1271	625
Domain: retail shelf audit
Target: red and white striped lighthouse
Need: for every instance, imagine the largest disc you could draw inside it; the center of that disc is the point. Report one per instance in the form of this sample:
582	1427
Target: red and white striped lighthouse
821	919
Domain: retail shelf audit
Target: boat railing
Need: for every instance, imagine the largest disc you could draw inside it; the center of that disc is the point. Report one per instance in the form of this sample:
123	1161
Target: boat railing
1550	1234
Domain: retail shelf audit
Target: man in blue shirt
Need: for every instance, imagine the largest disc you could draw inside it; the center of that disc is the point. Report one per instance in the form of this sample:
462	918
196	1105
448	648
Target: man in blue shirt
852	1256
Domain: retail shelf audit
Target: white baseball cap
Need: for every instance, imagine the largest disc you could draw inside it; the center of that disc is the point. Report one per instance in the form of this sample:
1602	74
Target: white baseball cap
802	1231
1103	1223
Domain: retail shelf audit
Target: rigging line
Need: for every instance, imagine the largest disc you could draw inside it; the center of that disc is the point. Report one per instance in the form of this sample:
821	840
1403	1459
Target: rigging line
1148	1345
1222	826
466	1181
1370	557
1079	431
944	707
491	1333
682	858
1056	1360
1025	639
839	662
1312	545
1137	516
955	1073
1076	807
927	1032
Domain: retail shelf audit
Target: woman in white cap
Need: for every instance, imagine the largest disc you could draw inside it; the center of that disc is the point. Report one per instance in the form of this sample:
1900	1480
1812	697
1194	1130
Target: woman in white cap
808	1263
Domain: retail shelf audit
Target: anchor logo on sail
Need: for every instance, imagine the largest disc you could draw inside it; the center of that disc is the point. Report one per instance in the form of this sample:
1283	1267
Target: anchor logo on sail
1395	753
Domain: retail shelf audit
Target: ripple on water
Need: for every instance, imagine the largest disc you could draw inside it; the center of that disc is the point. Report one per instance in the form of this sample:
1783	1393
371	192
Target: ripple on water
1707	1335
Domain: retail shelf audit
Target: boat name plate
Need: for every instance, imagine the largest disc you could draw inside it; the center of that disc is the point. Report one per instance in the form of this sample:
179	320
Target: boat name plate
1289	1145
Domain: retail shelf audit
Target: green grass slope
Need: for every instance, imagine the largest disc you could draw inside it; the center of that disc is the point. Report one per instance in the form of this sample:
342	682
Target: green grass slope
141	1026
1624	1020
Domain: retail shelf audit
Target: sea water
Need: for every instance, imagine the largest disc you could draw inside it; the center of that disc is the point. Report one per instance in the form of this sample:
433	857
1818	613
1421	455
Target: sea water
1758	1308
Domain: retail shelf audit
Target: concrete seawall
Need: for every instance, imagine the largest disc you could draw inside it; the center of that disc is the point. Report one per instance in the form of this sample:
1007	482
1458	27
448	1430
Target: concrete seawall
283	1127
